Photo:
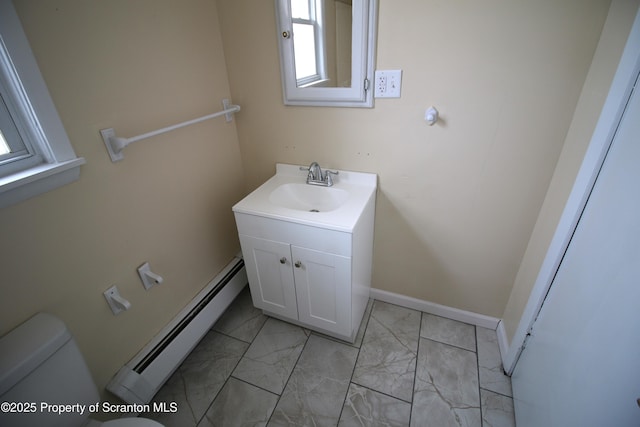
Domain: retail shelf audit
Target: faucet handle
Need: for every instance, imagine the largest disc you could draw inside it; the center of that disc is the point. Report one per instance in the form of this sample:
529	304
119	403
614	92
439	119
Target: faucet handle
327	176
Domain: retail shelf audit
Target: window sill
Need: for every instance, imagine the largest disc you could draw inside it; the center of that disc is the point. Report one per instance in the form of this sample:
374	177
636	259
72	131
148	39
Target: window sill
315	83
22	185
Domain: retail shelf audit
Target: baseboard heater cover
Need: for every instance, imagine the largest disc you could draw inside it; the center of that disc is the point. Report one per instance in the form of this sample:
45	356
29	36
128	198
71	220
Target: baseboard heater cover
140	379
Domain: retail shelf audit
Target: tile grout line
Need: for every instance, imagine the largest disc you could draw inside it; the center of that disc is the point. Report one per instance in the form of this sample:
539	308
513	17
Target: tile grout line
306	341
415	371
353	370
232	370
475	332
450	345
366	325
496	392
253	385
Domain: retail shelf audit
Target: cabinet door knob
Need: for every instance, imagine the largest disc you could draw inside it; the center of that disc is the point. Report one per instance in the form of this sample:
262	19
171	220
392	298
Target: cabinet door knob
283	260
298	264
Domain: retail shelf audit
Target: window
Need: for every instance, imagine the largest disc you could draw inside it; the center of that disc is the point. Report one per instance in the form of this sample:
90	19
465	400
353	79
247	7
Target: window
35	152
17	151
4	147
306	17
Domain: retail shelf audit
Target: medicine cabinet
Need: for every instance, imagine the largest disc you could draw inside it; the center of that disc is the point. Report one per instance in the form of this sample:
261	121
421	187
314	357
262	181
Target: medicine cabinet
327	51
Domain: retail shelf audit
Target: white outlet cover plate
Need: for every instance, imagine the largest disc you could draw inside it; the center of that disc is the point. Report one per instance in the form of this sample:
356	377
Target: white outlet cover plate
388	83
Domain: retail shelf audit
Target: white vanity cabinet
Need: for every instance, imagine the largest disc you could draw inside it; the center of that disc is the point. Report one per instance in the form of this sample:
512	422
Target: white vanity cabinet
299	283
310	265
314	277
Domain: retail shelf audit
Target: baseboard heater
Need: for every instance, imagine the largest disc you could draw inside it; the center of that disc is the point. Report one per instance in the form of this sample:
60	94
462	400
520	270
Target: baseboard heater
140	379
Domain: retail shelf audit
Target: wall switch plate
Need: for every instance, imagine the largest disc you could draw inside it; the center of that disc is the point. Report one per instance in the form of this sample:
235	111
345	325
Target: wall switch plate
387	83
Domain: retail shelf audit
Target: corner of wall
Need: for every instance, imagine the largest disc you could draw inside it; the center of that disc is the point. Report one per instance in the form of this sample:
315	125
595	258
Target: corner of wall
590	104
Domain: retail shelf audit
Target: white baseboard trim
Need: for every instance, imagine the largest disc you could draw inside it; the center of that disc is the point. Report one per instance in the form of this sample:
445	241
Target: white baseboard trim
503	343
439	310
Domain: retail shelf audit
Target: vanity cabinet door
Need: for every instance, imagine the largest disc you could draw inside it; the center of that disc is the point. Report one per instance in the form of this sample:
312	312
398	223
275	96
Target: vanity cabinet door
270	274
323	289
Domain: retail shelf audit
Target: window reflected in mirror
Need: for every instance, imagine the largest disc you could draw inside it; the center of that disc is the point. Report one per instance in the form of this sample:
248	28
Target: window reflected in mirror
322	42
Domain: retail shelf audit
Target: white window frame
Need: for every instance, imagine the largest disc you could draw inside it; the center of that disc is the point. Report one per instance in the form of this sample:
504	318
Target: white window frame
49	161
17	121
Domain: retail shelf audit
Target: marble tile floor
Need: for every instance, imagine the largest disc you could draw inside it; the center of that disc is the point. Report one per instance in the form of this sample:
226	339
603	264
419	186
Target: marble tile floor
406	368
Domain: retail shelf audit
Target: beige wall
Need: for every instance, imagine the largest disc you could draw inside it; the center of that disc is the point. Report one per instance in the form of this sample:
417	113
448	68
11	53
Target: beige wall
134	66
457	201
595	90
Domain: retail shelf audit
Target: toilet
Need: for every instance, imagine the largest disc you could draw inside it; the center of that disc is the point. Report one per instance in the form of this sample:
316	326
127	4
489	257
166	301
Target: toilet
45	381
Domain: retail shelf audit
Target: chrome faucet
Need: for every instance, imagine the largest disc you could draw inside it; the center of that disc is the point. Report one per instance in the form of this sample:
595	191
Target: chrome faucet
317	177
315	173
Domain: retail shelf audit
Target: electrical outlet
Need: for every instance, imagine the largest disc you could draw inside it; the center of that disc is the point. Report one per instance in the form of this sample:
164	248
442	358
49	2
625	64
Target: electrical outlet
381	84
388	83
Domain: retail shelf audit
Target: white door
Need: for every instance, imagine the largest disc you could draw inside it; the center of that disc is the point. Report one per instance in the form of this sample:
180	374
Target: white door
270	274
323	288
581	364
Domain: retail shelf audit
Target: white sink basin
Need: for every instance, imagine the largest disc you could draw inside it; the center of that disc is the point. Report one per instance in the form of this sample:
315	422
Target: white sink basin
287	196
310	198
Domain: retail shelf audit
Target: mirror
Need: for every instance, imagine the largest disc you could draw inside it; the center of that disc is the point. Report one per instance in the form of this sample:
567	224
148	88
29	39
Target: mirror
327	51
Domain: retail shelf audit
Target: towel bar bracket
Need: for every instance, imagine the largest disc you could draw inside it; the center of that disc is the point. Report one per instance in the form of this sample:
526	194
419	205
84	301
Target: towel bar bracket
107	136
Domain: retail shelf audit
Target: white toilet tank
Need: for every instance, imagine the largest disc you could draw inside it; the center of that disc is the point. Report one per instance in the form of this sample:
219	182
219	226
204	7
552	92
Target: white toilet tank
40	365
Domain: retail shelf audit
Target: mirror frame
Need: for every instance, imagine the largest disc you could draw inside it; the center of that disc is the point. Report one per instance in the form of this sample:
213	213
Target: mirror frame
360	94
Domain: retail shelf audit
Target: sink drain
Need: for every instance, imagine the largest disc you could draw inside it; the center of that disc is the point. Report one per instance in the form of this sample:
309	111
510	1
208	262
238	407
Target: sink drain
314	210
